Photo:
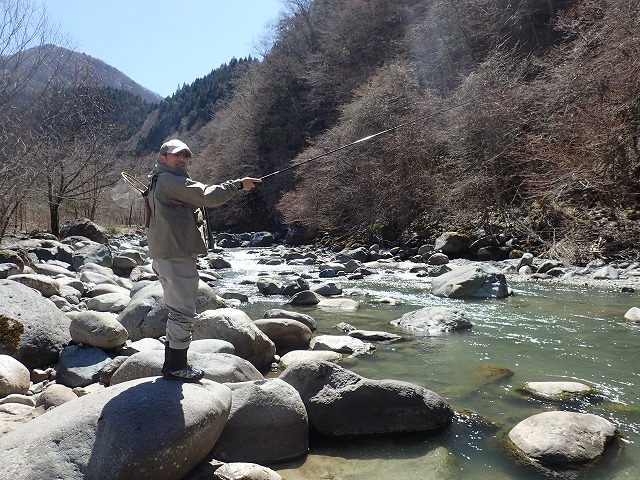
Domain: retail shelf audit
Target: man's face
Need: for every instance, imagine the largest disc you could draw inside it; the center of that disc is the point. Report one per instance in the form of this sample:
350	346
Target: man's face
180	159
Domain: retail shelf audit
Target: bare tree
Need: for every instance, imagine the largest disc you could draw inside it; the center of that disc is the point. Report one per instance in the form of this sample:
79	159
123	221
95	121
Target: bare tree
76	144
27	68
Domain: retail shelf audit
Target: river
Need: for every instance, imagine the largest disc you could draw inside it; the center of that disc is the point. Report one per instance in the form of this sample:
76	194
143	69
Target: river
543	332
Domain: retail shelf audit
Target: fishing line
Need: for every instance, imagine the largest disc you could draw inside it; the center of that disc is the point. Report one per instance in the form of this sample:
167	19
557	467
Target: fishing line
369	137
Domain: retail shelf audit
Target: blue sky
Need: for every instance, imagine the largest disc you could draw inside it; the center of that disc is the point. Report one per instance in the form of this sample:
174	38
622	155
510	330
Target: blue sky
164	44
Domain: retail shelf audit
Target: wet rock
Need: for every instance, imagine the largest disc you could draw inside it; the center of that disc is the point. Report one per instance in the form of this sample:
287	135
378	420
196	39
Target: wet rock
341	344
340	402
472	280
268	286
557	391
346	304
374	336
433	320
306	297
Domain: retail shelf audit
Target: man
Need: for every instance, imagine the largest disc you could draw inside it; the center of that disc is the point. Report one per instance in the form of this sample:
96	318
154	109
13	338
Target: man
176	235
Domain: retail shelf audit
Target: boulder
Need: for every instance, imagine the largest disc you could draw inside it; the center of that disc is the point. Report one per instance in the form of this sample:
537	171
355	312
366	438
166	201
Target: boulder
309	355
146	314
118	433
565	438
472	280
79	366
92	252
98	329
32	329
236	327
54	395
433	320
308	320
109	302
219	367
557	391
85	228
452	244
268	286
284	332
47	286
340	402
341	344
267	424
14	376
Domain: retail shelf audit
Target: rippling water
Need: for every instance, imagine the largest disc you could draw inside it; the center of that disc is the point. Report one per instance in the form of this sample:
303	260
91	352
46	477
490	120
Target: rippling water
541	333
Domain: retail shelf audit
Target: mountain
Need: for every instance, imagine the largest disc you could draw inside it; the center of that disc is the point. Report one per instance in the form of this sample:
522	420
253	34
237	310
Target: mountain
41	64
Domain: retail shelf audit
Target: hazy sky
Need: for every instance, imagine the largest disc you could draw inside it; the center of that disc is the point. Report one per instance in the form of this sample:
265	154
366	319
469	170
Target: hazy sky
163	44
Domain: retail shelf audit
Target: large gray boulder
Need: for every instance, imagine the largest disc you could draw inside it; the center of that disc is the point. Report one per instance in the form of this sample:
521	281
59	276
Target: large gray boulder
146	314
472	280
433	320
565	438
340	402
98	329
32	329
236	327
219	367
267	424
145	429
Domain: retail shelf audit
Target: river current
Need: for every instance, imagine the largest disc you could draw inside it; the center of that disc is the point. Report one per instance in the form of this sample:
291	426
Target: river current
543	332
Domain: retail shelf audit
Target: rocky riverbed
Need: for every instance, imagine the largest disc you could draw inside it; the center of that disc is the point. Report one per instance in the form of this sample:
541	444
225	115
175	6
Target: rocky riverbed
81	325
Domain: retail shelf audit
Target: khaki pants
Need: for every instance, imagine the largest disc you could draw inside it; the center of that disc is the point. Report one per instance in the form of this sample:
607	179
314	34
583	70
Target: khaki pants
179	279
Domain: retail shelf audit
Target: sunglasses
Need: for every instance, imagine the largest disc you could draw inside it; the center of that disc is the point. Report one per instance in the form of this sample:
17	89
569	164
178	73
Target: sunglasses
182	153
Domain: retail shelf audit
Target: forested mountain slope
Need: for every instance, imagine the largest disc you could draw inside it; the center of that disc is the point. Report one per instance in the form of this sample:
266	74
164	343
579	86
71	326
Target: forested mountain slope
545	147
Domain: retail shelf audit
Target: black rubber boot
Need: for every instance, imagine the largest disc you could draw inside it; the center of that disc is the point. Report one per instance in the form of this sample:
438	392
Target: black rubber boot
176	368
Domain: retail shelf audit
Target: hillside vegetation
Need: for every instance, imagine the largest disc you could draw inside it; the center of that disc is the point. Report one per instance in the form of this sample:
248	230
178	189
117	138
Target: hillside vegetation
543	148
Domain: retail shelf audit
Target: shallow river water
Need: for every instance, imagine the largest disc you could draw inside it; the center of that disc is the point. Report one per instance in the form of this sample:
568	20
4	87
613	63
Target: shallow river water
542	333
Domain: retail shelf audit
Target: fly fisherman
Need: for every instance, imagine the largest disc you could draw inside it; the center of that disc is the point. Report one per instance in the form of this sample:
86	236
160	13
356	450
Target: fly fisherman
177	234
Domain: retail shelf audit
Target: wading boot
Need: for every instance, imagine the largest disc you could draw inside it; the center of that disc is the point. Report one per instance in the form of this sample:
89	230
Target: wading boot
176	368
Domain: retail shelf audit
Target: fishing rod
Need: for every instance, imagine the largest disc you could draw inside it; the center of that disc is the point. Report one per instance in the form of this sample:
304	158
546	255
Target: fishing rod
369	137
